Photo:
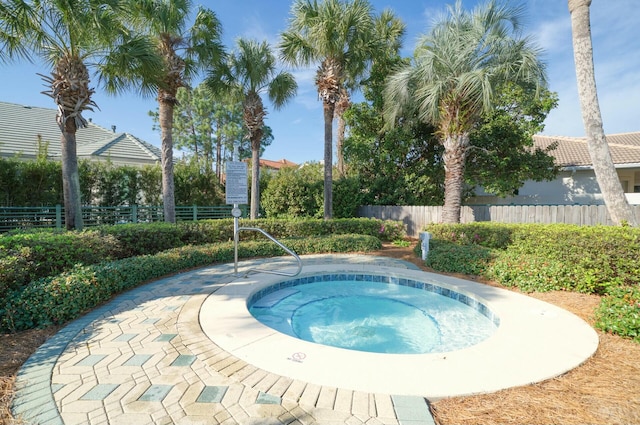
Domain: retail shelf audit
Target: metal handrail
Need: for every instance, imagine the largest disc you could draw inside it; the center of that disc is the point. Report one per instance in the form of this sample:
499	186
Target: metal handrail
277	242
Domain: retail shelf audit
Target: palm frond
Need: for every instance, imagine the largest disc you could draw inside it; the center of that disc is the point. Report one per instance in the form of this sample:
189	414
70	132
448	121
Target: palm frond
282	88
205	39
134	63
465	56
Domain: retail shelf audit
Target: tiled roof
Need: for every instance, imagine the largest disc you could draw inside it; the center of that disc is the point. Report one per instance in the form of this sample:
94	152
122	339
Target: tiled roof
276	165
21	125
573	151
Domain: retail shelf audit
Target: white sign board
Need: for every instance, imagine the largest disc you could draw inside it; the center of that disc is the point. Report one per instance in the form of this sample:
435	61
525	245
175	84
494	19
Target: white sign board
236	183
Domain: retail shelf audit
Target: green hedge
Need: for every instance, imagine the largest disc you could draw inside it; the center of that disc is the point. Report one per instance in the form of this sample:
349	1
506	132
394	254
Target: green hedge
490	235
27	256
58	299
537	257
599	260
619	312
452	258
136	239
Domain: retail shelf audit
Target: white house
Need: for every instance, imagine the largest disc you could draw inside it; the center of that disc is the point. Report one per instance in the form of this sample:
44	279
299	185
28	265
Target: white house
21	127
576	182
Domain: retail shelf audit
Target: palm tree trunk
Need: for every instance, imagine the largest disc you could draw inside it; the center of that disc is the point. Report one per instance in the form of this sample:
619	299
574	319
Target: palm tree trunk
328	159
255	178
70	178
603	166
339	144
341	107
455	155
165	117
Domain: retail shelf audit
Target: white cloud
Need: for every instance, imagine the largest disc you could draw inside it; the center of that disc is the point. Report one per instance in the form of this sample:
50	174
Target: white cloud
554	36
253	29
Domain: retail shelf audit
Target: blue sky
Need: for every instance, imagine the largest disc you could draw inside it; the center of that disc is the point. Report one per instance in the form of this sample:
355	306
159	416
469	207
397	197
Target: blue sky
298	127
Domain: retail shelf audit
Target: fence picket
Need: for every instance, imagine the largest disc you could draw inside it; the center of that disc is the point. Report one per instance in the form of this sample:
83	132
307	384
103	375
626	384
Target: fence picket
417	217
53	217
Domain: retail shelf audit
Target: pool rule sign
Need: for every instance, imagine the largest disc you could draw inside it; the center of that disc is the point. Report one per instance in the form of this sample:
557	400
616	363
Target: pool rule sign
236	193
236	186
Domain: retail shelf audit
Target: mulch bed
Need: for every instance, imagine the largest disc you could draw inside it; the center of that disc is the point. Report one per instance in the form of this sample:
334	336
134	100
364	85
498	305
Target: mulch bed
604	390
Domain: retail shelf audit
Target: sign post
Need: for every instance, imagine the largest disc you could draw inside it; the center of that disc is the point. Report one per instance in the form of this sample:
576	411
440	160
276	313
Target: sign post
236	193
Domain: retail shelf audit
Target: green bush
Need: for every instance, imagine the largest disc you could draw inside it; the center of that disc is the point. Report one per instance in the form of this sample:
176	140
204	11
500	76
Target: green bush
28	256
452	258
58	299
528	272
144	239
39	182
537	257
299	192
589	259
490	235
534	257
385	230
347	197
295	192
619	312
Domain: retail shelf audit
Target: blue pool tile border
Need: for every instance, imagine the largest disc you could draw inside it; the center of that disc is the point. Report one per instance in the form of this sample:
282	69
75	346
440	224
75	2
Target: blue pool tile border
392	280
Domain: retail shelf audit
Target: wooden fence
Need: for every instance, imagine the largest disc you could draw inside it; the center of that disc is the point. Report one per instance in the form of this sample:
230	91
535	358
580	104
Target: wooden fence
416	217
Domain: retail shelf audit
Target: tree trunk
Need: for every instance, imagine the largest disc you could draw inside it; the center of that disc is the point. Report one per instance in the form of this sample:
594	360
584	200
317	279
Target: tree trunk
71	178
603	166
219	152
341	106
328	159
255	179
255	174
165	117
339	144
455	155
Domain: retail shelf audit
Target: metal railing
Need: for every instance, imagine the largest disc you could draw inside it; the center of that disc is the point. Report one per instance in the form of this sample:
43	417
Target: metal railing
277	242
53	216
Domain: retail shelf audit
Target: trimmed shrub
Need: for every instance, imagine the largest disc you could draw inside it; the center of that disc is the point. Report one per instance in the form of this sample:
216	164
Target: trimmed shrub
58	299
528	272
534	257
28	256
452	258
144	239
589	259
619	312
537	257
490	235
385	230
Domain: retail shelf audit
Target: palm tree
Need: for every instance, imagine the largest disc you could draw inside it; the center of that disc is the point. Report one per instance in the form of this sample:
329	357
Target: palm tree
185	51
603	166
451	81
252	71
70	37
388	31
338	35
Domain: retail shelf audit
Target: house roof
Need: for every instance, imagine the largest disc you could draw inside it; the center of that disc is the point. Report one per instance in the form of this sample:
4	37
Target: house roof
573	151
276	165
21	125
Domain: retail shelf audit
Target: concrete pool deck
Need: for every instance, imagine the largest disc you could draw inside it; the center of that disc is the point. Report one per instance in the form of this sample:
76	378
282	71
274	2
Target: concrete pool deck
534	341
144	358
